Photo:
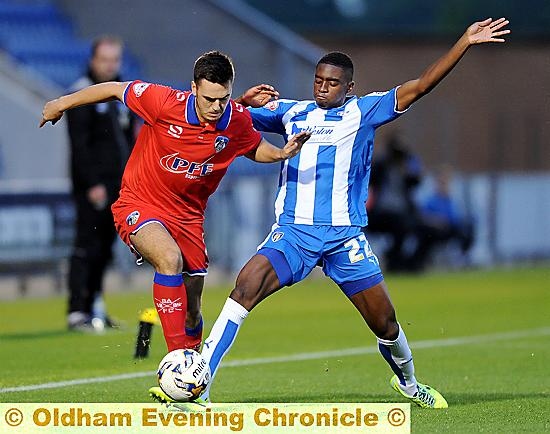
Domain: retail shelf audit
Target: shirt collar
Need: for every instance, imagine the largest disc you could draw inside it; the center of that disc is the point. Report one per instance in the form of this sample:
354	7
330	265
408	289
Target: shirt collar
193	119
340	107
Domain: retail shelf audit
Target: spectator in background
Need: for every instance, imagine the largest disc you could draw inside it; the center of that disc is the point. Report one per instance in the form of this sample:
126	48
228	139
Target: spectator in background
441	221
391	205
101	138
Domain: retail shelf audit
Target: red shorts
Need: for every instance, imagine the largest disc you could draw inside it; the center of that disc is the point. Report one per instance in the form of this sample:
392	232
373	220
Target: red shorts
130	217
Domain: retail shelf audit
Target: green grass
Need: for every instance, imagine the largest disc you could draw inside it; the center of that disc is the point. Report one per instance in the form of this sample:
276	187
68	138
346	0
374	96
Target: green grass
492	385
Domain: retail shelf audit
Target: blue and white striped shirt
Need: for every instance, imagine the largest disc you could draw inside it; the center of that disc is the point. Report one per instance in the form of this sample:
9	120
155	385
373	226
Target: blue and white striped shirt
327	182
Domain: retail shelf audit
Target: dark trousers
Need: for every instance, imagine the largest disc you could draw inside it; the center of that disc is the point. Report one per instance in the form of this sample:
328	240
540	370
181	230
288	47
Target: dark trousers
429	236
93	249
399	225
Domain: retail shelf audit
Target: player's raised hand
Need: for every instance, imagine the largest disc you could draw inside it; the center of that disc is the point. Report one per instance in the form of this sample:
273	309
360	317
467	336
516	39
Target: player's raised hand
258	96
487	31
294	145
51	112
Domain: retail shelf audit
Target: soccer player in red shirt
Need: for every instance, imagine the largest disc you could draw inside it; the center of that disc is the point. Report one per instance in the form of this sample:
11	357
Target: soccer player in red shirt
182	152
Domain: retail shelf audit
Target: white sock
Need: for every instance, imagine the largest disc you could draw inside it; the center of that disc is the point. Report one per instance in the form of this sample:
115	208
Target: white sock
222	336
398	355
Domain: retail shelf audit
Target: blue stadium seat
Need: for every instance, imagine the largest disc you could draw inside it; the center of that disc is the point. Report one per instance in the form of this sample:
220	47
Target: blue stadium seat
37	34
63	73
25	12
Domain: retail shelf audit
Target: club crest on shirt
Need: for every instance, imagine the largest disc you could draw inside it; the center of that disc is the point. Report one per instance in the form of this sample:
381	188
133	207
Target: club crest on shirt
132	218
139	88
220	143
272	105
277	236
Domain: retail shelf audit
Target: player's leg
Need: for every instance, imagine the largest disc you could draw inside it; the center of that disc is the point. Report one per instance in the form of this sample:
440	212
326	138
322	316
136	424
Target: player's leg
190	240
256	281
280	261
157	246
100	257
80	299
375	306
193	324
355	268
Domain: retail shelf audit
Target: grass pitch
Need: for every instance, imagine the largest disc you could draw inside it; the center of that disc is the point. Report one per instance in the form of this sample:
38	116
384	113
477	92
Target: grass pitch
482	338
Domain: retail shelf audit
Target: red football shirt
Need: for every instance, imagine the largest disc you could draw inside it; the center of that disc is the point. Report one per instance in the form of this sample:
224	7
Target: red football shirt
177	162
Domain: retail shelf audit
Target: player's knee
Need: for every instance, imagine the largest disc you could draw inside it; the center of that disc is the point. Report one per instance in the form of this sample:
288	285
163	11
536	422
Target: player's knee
244	294
391	331
247	291
170	262
386	327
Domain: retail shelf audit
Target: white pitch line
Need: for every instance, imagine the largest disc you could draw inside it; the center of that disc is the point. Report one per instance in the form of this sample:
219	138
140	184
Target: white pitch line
432	343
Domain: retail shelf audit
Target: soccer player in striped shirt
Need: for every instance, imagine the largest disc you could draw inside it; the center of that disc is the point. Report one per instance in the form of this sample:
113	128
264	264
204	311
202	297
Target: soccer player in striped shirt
320	206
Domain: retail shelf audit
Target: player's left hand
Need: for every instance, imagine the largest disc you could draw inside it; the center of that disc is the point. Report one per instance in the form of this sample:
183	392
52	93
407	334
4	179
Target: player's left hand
295	144
258	96
51	113
487	31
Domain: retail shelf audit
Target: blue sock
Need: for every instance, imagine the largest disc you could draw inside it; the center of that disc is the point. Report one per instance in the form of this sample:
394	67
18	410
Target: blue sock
195	331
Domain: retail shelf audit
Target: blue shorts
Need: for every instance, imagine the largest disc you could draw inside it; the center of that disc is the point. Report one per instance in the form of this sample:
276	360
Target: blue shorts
342	251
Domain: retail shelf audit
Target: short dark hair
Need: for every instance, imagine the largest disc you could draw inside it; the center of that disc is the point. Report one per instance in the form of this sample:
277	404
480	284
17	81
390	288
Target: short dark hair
340	60
215	67
105	39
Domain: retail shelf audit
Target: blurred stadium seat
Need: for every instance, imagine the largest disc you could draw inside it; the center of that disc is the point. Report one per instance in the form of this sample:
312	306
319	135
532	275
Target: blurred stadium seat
37	34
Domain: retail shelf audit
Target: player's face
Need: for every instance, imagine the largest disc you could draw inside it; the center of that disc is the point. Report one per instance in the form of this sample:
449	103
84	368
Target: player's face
211	99
105	63
331	86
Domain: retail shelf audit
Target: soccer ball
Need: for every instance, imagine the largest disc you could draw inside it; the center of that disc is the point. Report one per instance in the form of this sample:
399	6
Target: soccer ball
183	375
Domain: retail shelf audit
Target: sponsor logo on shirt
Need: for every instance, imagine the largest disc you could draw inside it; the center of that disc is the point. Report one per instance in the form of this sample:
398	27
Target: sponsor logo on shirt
277	236
139	88
314	130
132	218
175	164
175	131
220	143
180	96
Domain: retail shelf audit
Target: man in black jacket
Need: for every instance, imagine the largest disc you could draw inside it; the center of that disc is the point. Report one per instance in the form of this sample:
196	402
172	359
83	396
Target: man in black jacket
101	138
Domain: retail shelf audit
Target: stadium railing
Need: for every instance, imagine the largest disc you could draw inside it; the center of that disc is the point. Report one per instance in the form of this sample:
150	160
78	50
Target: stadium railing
36	233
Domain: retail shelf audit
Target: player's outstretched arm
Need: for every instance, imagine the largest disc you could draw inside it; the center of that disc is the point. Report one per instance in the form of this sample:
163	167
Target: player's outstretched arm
268	153
478	33
103	92
258	96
